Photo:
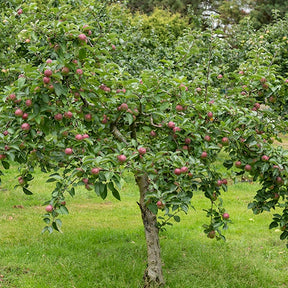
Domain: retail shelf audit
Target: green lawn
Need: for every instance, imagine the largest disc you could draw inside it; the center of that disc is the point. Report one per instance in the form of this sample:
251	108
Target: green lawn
103	243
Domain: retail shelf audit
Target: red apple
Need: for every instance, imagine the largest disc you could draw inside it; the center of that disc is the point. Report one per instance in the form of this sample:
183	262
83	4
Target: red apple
160	204
238	164
177	171
18	113
68	114
184	169
49	208
179	108
225	141
88	117
78	137
210	115
46	80
79	71
265	158
207	138
204	155
48	73
68	151
171	124
153	134
121	158
82	37
142	150
28	102
95	171
248	167
25	116
65	70
225	216
25	127
58	117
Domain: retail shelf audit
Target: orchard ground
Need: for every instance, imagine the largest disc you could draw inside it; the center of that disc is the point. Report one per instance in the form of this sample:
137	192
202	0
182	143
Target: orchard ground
101	247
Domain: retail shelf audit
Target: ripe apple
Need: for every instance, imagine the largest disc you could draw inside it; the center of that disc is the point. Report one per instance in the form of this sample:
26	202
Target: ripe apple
78	137
220	76
79	71
85	136
95	171
25	116
184	169
176	129
177	171
207	138
19	11
58	117
49	208
113	47
219	183
160	204
179	108
225	216
123	107
153	133
247	167
210	114
48	73
18	113
142	150
46	80
28	102
65	70
187	141
265	158
68	151
171	124
225	141
224	181
25	127
121	158
68	114
276	196
88	117
82	37
204	155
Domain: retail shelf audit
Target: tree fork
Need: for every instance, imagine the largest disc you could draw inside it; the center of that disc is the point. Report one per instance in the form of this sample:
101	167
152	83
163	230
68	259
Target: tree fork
153	276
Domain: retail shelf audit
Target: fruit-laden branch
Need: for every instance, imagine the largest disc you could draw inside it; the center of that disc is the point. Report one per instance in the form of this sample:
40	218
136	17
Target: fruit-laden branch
118	135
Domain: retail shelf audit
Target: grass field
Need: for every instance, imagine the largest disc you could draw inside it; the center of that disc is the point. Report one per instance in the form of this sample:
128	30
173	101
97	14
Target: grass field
103	245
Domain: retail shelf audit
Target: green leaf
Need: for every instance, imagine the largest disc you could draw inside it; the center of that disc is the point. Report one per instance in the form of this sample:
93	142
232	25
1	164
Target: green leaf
26	191
176	218
100	189
273	224
82	54
115	192
6	165
63	210
72	192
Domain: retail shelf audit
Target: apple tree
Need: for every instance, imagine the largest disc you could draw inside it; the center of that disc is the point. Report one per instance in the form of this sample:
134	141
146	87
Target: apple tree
72	105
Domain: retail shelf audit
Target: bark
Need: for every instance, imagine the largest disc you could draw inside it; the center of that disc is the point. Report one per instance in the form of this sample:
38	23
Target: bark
153	276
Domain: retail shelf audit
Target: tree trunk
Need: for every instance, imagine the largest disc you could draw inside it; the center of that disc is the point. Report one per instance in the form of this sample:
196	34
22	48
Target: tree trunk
153	276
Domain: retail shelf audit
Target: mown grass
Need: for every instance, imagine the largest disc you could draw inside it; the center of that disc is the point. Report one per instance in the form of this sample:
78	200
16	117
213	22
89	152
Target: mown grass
103	243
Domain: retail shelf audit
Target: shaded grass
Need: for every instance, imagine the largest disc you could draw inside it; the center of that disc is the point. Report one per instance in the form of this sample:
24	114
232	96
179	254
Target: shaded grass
103	243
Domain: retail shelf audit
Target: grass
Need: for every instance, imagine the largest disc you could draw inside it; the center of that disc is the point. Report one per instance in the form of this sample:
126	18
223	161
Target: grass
103	243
